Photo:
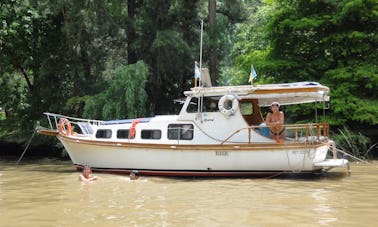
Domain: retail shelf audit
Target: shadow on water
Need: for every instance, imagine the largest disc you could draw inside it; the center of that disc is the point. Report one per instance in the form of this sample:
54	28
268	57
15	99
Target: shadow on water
313	176
39	164
49	170
283	176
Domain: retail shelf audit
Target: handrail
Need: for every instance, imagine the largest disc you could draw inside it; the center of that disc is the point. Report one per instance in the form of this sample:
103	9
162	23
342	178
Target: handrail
322	130
75	120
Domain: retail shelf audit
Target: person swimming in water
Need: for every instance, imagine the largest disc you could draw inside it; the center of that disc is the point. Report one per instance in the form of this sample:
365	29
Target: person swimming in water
134	175
87	174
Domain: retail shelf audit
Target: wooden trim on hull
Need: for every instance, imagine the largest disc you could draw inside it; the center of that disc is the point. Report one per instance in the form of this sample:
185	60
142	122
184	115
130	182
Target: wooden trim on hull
220	147
194	173
48	132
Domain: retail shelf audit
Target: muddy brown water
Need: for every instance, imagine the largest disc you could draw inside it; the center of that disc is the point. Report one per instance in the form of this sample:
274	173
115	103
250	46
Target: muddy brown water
46	192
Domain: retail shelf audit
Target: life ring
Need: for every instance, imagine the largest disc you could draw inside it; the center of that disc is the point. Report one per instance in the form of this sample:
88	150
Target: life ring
132	128
228	105
65	127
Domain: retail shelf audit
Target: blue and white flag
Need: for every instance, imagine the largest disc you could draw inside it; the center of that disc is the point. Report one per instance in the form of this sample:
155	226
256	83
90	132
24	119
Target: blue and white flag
252	75
197	74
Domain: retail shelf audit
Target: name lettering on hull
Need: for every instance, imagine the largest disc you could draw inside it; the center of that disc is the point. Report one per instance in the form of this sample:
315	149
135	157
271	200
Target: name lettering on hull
221	153
299	152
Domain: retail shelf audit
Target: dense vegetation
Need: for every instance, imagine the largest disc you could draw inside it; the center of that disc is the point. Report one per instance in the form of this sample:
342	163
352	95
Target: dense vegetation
123	59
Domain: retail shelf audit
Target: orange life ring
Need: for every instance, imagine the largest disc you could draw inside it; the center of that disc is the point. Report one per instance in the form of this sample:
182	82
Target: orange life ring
65	127
132	128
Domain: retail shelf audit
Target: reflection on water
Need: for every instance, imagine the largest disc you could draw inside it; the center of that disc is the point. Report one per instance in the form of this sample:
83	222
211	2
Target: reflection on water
47	193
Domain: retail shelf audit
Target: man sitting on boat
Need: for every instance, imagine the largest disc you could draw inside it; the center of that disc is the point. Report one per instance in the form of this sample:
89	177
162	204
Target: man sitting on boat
275	121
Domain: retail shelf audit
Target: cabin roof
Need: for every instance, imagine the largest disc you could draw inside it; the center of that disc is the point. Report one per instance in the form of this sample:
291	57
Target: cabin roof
140	120
285	94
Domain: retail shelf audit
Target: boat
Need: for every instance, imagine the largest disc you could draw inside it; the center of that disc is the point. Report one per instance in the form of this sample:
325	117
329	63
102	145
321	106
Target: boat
220	131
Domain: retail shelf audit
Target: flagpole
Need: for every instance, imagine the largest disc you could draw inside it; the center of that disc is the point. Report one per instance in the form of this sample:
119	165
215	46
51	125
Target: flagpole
252	75
200	66
200	99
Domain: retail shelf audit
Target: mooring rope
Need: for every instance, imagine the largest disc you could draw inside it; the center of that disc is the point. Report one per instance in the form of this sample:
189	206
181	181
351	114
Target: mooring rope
27	146
346	153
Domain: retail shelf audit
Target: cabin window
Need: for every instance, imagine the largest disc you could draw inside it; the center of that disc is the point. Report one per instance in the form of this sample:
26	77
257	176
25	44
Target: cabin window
193	105
180	131
123	133
210	104
104	133
151	134
246	108
85	127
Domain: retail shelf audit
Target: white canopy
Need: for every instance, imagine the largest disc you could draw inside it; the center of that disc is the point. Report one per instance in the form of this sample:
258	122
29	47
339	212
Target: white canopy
285	94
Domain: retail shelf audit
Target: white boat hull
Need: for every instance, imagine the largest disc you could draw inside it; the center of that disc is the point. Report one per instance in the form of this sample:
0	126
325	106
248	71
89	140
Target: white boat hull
195	160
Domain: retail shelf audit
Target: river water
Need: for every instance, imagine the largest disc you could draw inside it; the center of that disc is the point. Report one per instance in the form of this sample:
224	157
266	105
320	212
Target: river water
46	192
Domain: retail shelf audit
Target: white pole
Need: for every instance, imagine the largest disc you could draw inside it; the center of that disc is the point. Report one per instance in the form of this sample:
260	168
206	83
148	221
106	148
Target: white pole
200	66
200	99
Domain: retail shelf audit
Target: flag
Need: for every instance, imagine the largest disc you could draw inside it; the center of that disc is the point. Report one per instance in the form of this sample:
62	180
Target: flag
252	75
197	74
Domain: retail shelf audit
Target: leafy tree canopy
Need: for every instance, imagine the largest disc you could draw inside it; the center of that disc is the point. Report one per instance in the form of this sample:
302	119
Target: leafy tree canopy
124	98
333	42
72	57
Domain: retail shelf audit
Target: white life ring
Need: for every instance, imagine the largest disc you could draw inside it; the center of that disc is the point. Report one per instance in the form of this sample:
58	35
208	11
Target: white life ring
228	105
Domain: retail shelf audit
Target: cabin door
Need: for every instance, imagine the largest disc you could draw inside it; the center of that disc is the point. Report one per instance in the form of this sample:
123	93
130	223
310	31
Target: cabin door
251	111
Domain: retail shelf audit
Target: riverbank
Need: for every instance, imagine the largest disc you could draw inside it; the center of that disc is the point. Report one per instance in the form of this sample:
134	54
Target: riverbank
14	149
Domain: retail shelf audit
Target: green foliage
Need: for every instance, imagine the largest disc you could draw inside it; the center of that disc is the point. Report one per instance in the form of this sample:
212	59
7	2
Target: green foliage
71	57
232	76
251	45
75	106
167	42
355	96
124	98
12	94
25	28
2	115
355	144
333	42
94	106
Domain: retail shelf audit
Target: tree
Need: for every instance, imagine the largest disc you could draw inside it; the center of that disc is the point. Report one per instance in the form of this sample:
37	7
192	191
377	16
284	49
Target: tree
61	57
333	42
124	98
59	51
28	33
167	33
213	40
248	43
219	36
132	6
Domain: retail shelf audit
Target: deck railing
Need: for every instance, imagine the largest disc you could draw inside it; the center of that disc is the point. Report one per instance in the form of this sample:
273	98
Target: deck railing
319	130
53	120
295	132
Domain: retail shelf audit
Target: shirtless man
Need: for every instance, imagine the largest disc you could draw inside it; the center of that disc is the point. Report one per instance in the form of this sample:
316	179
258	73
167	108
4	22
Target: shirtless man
87	175
275	120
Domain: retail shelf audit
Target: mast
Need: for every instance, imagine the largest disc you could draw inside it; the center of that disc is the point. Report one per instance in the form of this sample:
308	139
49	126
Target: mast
200	66
200	99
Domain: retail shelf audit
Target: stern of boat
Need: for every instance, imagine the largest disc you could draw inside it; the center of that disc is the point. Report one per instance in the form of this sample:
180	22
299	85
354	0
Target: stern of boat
330	163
